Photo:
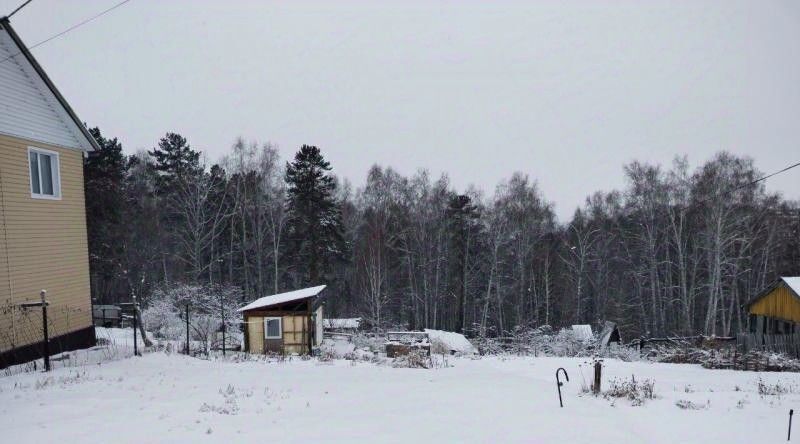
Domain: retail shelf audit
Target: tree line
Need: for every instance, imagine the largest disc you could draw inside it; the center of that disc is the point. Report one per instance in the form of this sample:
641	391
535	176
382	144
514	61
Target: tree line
677	251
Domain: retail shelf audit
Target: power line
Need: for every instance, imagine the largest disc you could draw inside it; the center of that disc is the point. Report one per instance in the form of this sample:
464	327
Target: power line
745	185
760	179
19	7
775	173
71	28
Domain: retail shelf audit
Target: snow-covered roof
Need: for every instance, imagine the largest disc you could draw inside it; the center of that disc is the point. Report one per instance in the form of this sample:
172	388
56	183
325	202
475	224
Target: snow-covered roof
282	298
450	342
353	323
793	282
582	332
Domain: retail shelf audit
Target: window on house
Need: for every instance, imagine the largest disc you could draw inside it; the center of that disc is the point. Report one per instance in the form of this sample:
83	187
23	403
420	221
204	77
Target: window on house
45	177
272	328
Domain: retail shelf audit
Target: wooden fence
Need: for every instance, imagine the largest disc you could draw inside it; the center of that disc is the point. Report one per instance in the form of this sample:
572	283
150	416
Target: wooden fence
788	344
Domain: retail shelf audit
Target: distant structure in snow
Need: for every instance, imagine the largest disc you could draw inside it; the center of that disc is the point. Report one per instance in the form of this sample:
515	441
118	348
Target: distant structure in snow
583	332
450	343
401	343
107	315
285	323
609	335
342	325
773	318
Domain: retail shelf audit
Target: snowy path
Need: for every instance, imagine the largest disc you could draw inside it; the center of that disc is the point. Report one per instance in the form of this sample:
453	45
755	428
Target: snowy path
160	398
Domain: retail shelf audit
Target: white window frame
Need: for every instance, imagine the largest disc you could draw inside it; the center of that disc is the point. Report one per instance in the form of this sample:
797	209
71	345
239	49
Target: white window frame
280	327
55	173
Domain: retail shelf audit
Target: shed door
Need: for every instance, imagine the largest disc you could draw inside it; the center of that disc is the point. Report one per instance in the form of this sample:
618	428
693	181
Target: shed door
255	334
295	334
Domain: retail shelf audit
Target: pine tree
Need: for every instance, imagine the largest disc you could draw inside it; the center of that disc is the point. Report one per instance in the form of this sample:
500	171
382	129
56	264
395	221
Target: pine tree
103	178
462	220
175	160
315	226
178	170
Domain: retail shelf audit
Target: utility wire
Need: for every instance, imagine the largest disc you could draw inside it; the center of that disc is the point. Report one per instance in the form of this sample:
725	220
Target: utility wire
775	173
71	28
745	185
19	7
763	178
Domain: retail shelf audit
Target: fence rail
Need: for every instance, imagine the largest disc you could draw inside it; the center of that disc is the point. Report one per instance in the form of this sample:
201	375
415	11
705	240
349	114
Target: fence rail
788	344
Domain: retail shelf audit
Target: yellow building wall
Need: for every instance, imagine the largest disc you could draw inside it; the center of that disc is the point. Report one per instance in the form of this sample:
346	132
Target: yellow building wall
43	245
295	331
780	303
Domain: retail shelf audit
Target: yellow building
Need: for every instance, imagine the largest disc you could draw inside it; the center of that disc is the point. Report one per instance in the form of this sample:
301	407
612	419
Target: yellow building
43	243
776	310
285	323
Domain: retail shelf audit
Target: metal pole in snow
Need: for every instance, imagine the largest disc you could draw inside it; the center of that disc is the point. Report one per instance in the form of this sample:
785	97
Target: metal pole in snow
43	294
222	311
135	341
559	384
187	329
791	412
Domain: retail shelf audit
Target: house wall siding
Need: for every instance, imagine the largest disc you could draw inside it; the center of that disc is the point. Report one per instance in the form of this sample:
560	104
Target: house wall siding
43	245
28	109
779	303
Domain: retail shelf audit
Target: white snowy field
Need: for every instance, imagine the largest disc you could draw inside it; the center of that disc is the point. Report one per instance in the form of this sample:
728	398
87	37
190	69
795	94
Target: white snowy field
160	398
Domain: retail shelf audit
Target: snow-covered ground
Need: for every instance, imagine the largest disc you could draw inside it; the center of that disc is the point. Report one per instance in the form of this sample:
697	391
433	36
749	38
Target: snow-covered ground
172	398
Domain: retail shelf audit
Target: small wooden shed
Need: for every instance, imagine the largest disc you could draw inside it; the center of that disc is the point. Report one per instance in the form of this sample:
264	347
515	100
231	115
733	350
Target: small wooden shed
776	310
285	323
609	335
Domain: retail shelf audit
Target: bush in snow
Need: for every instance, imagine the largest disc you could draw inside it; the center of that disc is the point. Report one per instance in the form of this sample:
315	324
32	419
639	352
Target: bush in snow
637	392
545	341
623	353
209	306
414	359
776	389
335	349
689	405
162	318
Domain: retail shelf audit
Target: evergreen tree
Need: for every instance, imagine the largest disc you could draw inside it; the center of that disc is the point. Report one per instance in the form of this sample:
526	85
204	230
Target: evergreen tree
315	226
175	160
462	221
103	178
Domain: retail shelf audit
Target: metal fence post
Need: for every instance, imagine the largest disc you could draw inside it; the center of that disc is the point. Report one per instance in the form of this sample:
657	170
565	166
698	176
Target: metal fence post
187	329
222	311
135	340
43	294
598	369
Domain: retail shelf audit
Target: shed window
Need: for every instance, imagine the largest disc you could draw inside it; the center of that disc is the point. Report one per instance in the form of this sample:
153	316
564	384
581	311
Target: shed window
44	171
272	328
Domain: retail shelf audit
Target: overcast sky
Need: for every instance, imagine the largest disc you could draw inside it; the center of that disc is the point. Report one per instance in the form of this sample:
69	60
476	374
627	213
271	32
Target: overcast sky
566	93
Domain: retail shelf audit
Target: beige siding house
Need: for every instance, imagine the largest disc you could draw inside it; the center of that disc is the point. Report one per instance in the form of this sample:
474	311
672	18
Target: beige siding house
43	244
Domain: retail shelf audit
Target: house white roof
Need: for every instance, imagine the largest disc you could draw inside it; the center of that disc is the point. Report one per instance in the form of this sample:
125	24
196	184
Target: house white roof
793	283
282	298
32	107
